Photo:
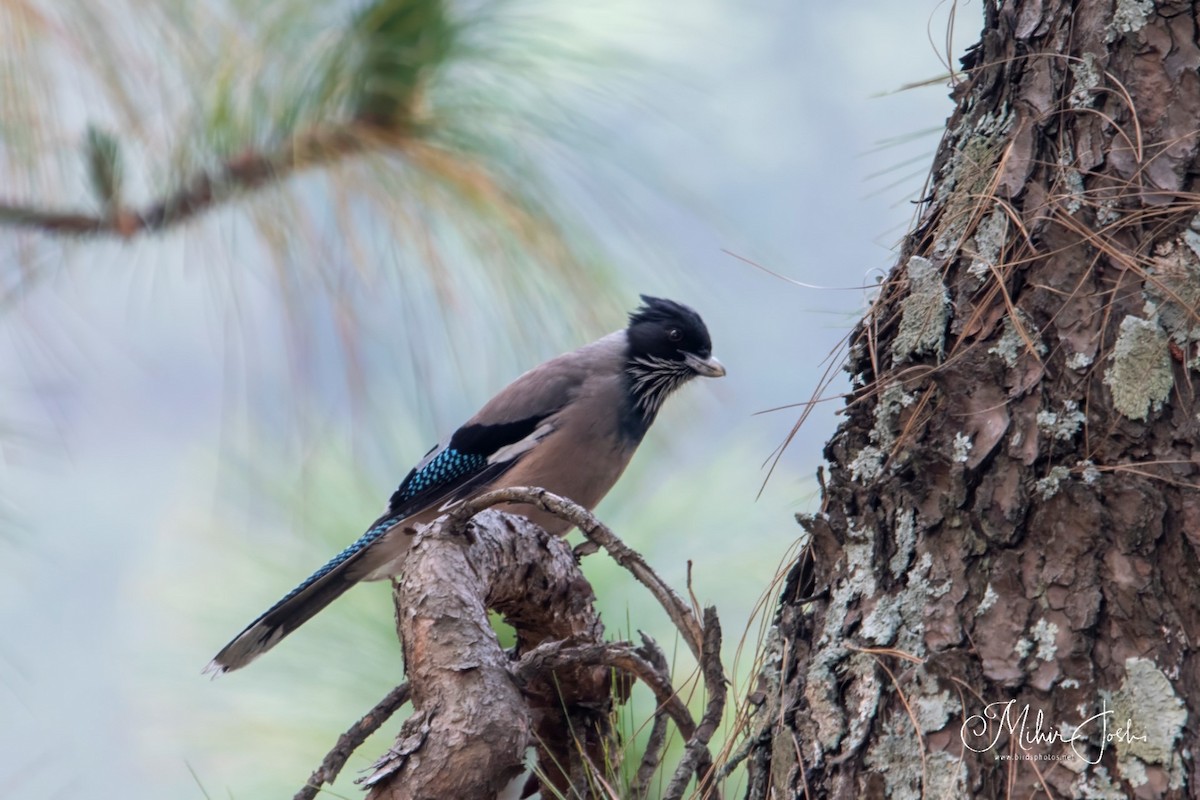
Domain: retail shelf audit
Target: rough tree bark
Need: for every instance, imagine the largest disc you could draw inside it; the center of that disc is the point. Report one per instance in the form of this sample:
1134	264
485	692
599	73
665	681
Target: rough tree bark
470	728
1012	510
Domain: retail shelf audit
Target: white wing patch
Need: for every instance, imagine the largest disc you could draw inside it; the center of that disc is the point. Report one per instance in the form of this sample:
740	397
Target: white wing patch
449	504
511	451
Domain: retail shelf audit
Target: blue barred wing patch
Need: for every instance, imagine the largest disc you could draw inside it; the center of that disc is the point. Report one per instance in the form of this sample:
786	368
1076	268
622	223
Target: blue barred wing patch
446	468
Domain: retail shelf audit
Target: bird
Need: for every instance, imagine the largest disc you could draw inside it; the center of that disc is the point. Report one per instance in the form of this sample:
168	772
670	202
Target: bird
569	426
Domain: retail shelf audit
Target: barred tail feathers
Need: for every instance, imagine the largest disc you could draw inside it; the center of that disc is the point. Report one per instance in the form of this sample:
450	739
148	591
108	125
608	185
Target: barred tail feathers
363	560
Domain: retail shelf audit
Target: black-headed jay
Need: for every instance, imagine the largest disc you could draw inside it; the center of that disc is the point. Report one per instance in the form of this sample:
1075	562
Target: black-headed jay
569	426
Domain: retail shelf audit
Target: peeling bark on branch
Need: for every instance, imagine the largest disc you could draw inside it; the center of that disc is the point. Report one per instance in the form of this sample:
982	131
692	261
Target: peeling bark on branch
472	725
599	535
477	709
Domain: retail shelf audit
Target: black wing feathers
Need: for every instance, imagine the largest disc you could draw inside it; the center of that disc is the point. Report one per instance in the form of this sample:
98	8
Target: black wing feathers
487	439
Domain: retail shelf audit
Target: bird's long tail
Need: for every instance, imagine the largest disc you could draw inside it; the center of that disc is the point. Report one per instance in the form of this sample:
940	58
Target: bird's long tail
302	603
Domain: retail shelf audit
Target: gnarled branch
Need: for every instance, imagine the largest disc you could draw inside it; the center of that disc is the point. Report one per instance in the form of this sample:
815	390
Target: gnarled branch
598	533
352	739
472	723
478	709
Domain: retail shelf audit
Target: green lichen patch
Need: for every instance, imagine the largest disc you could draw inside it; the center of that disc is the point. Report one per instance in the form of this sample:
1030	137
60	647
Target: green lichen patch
868	464
923	313
1129	16
896	755
1062	425
1152	716
1048	486
1016	338
1044	635
932	705
898	619
989	599
1098	786
961	447
945	775
989	240
1140	376
1086	79
1173	288
905	541
1041	643
1089	471
1079	361
963	179
822	690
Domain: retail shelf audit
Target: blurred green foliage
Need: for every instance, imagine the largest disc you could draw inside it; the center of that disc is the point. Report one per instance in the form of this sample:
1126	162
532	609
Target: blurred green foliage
399	43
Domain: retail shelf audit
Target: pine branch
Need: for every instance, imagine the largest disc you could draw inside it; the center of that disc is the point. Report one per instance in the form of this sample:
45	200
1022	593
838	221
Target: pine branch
209	188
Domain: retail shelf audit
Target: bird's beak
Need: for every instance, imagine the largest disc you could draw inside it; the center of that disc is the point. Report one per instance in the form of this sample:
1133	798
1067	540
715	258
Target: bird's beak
708	367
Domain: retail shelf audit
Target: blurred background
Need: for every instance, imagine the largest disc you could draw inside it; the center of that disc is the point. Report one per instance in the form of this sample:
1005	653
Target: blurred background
193	419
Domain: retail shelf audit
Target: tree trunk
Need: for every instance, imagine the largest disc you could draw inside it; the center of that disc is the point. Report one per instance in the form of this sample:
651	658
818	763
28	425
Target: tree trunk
1001	597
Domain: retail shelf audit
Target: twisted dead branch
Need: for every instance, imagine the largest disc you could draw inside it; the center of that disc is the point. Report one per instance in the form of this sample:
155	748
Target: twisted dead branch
478	708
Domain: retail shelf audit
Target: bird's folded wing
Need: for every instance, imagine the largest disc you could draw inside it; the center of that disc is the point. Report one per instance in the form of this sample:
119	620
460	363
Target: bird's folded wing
506	430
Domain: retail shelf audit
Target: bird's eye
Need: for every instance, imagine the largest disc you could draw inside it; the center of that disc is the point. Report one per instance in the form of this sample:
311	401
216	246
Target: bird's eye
675	335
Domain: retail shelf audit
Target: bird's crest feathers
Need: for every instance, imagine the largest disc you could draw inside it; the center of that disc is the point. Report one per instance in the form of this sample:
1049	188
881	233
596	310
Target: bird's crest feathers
660	309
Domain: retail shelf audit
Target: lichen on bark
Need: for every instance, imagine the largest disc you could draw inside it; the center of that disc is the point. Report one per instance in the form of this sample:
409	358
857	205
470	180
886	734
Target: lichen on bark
1140	377
1028	521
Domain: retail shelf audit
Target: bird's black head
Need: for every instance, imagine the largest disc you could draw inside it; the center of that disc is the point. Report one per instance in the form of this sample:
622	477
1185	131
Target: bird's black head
664	329
668	346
